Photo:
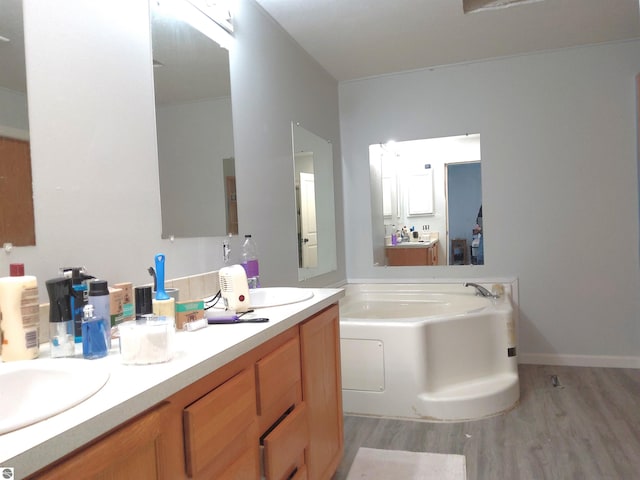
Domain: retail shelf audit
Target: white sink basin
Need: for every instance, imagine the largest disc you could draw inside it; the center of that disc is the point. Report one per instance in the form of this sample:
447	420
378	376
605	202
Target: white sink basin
276	296
33	390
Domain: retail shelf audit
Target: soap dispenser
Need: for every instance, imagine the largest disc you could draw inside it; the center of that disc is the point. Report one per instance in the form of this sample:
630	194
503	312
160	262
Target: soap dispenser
61	331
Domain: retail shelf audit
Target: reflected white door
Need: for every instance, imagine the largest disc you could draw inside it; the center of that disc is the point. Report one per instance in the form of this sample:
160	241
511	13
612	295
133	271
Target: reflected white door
308	221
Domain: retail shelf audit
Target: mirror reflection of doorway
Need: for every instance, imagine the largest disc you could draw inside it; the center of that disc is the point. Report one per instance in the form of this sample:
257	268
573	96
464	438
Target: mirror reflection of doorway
232	205
308	224
464	199
315	207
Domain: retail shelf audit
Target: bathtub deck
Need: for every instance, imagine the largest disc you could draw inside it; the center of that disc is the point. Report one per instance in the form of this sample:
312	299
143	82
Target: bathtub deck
587	427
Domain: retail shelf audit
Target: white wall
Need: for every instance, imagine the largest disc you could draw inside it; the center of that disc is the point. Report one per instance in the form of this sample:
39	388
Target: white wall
275	82
559	180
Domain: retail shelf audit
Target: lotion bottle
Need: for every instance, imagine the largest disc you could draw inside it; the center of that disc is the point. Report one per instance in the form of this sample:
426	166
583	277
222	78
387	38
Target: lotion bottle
19	315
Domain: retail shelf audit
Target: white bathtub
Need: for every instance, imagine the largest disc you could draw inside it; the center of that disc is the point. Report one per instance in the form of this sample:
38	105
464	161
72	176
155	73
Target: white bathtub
425	351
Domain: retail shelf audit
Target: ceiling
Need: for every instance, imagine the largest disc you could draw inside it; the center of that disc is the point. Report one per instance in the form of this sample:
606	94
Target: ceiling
361	38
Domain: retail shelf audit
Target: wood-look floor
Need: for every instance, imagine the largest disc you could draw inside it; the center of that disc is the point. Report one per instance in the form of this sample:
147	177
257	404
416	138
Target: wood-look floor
586	427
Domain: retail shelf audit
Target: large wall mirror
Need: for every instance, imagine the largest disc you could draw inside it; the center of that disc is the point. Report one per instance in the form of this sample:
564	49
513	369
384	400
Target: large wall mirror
426	202
315	207
194	127
17	225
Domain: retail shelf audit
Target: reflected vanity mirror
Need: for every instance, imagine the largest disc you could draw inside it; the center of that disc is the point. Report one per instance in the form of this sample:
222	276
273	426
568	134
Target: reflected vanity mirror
194	125
17	225
313	170
426	202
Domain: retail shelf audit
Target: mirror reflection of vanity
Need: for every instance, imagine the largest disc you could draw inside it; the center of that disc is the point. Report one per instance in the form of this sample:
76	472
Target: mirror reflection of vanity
194	128
426	199
313	172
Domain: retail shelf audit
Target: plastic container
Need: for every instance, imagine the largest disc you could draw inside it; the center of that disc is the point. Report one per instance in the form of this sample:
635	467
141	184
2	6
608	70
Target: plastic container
147	340
94	335
99	298
250	262
19	315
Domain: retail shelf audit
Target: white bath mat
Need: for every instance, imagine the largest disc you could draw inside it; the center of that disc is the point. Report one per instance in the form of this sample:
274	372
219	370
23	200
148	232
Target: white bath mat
374	464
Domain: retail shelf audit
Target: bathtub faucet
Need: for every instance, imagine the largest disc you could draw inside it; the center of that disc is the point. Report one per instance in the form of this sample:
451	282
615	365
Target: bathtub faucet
480	290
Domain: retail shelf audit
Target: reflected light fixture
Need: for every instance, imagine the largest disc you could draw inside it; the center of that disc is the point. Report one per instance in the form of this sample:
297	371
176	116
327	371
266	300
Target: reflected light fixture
186	11
220	11
469	6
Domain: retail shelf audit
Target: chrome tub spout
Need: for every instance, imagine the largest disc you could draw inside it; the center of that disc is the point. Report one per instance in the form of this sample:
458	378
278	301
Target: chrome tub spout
482	291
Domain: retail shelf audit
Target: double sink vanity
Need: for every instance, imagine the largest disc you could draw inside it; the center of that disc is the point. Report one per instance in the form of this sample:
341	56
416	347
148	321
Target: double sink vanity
251	400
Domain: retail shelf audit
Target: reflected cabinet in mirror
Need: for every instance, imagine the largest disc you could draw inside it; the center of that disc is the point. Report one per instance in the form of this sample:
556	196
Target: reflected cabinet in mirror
426	202
194	126
315	207
17	225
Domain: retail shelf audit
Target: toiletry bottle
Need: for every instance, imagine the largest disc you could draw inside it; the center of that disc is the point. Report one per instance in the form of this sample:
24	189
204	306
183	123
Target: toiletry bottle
19	315
99	298
61	334
94	335
250	262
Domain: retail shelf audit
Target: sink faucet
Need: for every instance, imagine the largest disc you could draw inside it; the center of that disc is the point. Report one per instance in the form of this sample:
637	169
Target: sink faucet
480	290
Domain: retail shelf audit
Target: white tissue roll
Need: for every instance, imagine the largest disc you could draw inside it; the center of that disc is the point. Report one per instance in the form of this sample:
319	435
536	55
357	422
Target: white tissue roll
143	344
20	318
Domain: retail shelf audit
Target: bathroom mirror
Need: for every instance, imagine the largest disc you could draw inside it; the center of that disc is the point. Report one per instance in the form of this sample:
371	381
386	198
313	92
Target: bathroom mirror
194	129
315	207
426	202
17	225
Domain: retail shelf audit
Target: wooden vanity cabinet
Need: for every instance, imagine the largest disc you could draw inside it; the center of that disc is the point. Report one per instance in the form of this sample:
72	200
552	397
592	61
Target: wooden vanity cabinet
134	451
400	256
281	400
322	391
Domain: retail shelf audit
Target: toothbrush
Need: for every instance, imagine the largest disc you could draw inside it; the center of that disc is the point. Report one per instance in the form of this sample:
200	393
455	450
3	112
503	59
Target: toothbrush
235	319
161	294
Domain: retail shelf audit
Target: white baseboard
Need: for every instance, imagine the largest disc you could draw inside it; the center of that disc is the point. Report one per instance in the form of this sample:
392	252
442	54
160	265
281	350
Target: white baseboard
607	361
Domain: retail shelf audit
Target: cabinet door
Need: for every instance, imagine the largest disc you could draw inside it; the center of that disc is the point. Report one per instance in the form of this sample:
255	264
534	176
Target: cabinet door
322	392
221	428
133	452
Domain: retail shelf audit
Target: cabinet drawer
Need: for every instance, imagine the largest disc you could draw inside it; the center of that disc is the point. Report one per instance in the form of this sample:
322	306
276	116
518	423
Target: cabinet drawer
285	445
220	427
278	382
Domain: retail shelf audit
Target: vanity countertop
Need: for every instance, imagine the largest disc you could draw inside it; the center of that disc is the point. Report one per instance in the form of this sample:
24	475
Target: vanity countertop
132	389
413	244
